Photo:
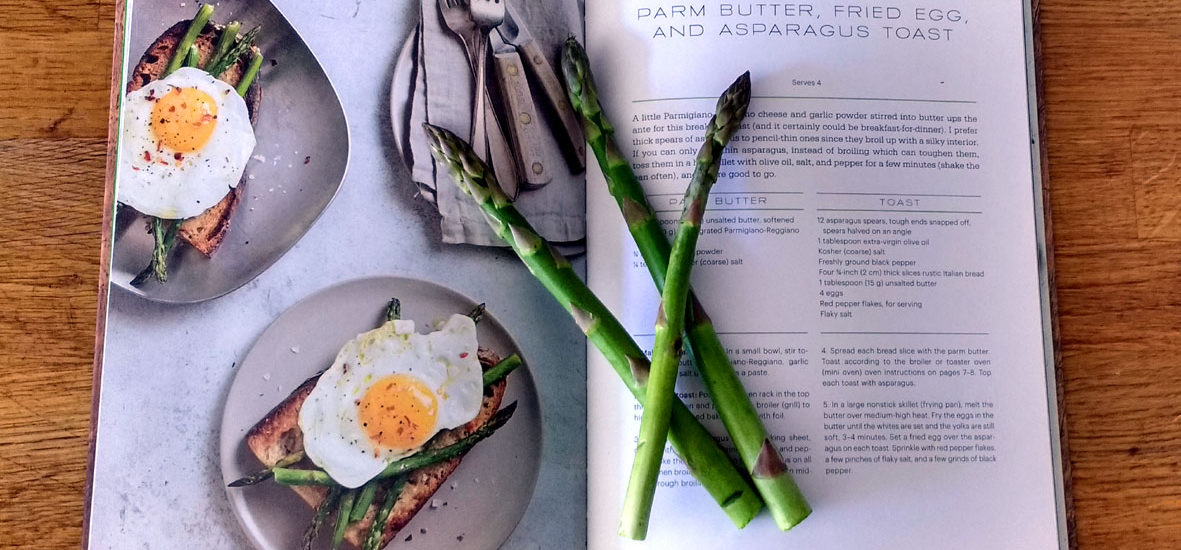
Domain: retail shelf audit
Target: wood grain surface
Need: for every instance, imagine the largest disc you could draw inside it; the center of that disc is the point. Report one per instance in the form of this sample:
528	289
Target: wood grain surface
1112	86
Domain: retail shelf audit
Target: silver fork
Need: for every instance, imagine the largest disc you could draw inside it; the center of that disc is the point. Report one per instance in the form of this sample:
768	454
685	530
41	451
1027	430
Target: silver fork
485	14
462	23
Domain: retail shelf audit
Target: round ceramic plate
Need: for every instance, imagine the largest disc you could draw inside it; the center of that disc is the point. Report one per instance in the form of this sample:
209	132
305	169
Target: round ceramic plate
482	501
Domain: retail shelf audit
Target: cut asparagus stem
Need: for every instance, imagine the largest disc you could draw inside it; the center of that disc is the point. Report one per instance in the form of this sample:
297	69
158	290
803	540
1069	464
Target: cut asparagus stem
182	48
269	472
343	513
500	370
783	498
326	506
422	459
193	58
670	321
228	35
250	74
696	447
299	476
377	531
239	49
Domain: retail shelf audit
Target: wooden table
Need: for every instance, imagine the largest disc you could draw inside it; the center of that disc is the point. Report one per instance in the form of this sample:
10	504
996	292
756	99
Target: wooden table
1113	113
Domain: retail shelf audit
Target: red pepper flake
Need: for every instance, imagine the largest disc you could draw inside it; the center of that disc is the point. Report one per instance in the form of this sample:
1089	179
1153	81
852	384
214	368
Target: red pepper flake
307	160
179	157
463	355
147	156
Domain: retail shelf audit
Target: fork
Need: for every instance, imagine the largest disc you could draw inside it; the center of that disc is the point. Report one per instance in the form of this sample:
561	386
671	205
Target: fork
462	23
485	14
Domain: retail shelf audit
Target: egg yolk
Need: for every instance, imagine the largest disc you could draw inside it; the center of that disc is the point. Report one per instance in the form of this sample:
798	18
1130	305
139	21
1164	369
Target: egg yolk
183	119
398	412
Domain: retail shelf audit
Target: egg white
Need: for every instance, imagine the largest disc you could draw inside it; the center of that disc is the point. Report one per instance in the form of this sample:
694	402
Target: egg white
444	361
153	180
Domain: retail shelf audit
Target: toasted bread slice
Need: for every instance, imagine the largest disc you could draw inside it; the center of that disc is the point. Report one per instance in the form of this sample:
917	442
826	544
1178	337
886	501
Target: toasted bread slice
206	231
278	435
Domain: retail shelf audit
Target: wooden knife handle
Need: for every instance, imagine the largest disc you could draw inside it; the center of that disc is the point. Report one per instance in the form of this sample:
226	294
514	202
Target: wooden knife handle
523	122
556	94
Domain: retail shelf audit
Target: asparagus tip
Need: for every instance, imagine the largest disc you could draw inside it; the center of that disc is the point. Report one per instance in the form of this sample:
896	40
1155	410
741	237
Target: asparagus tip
393	310
477	313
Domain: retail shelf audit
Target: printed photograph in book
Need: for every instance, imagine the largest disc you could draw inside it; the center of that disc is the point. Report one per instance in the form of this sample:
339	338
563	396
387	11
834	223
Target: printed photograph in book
522	274
326	366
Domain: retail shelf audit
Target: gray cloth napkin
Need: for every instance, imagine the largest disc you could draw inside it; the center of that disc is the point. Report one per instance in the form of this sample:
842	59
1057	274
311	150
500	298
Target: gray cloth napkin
442	95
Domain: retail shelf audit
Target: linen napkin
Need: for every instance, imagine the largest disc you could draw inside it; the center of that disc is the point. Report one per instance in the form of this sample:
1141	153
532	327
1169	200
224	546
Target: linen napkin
442	95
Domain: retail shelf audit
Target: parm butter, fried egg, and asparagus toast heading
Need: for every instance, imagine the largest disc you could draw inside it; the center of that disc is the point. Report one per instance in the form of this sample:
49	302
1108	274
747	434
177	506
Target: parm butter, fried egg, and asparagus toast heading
187	134
367	442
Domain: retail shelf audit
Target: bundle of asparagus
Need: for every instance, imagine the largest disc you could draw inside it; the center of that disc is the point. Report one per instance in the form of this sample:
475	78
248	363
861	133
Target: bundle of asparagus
774	483
680	313
690	440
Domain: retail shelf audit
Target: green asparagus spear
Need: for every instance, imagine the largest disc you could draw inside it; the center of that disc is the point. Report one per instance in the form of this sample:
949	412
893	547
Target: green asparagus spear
377	531
326	506
670	321
368	491
184	51
501	369
228	35
160	252
421	459
343	512
425	458
240	48
182	48
250	74
164	239
701	454
269	472
774	483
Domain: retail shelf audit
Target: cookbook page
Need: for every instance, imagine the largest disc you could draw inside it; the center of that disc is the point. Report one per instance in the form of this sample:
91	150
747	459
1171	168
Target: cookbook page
869	256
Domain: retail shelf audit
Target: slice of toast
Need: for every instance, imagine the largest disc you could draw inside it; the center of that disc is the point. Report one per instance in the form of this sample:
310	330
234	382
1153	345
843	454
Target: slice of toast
278	435
206	231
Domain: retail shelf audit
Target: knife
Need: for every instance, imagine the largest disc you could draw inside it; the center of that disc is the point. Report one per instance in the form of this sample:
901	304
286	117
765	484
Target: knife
514	32
523	124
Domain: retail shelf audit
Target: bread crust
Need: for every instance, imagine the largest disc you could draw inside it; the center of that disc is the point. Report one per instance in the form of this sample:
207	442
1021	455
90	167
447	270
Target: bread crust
278	435
206	231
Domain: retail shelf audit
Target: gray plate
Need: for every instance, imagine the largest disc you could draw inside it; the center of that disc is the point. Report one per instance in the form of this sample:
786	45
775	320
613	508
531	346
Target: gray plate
302	135
484	499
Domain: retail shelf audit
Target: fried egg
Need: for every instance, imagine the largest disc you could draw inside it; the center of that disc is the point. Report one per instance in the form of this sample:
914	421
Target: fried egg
390	391
186	141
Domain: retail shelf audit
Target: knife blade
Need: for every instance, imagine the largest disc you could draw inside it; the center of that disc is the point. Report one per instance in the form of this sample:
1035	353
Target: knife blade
514	31
523	124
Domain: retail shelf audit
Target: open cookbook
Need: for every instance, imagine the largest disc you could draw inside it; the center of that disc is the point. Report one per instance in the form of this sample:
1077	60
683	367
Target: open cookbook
616	274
